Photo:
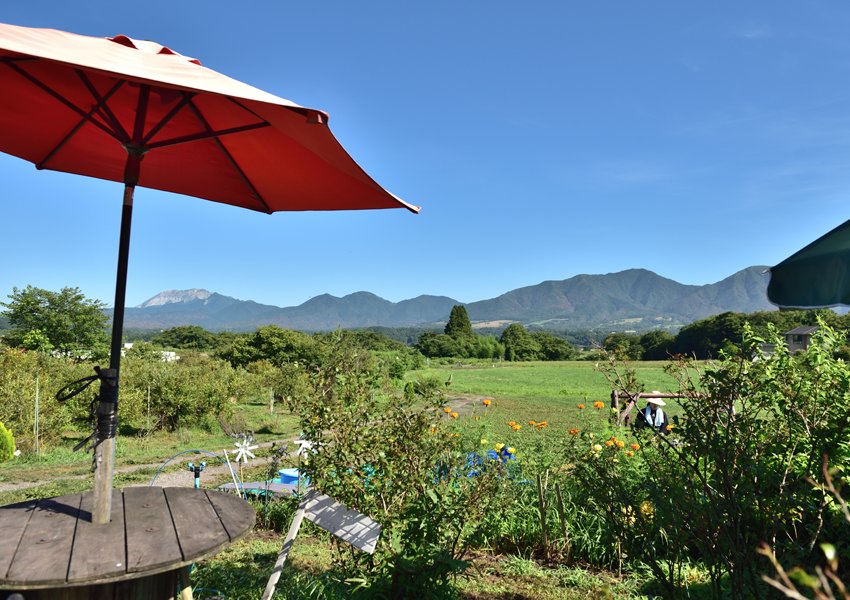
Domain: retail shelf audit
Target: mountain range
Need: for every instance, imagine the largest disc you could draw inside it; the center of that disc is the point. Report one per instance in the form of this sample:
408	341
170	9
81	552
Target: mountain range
635	298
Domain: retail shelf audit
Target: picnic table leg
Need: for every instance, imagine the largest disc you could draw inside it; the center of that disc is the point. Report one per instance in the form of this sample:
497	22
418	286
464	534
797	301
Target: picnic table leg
185	584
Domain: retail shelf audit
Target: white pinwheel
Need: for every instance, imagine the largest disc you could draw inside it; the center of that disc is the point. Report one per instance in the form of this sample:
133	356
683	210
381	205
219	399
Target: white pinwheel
243	450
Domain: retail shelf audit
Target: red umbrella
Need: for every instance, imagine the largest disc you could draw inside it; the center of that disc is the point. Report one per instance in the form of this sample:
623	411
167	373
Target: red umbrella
139	113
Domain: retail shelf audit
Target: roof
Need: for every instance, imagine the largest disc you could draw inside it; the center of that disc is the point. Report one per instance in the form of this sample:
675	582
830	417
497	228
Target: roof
802	330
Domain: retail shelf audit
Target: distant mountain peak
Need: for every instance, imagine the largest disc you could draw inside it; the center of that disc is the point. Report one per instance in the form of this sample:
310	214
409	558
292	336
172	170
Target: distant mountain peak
175	296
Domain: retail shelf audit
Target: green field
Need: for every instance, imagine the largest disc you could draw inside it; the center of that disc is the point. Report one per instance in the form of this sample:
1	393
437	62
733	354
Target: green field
545	391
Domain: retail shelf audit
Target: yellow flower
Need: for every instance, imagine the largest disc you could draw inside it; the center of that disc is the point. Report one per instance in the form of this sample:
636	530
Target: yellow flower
597	447
629	453
499	447
453	415
511	451
647	510
621	444
484	442
477	417
669	428
516	427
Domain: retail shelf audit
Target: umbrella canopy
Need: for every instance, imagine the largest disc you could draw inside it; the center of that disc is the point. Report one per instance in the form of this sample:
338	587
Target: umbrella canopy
135	111
76	104
818	276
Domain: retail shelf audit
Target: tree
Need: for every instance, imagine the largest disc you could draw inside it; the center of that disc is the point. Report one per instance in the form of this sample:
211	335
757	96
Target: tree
71	323
188	337
553	348
519	345
272	343
459	325
657	345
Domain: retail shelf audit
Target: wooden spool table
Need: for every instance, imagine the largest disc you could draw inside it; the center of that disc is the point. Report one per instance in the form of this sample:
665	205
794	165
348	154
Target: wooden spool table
49	548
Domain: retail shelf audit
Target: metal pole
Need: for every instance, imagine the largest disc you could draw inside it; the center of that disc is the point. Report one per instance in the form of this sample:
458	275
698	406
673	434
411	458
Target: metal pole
107	410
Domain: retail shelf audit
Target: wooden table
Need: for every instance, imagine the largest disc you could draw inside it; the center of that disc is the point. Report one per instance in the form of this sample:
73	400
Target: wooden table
50	549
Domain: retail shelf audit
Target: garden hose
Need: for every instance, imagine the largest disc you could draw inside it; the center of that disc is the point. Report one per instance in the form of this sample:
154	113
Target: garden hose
244	495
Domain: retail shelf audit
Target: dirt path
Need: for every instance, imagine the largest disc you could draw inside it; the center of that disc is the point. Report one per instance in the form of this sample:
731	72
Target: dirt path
463	405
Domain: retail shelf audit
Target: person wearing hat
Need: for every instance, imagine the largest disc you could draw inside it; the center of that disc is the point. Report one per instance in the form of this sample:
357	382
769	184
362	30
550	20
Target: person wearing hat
652	416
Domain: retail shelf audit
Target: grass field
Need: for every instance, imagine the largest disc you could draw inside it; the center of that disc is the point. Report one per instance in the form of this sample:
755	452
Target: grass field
545	391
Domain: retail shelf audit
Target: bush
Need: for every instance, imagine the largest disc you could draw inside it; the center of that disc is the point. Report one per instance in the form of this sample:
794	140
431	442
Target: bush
735	470
389	456
7	444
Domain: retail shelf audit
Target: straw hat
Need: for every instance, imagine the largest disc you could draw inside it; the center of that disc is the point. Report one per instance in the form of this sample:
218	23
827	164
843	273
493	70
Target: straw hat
656	401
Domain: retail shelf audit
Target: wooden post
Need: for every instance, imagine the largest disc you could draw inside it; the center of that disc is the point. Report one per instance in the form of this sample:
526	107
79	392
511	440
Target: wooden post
563	522
104	452
543	515
287	545
185	584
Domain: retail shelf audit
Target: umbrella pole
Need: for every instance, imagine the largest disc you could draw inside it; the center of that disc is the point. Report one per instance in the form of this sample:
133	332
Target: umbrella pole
107	410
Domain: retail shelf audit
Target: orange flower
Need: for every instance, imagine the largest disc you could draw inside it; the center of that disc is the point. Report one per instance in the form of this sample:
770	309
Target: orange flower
669	428
629	453
453	415
447	410
598	404
635	446
542	424
621	444
477	417
516	427
532	423
573	431
609	443
580	406
511	423
486	402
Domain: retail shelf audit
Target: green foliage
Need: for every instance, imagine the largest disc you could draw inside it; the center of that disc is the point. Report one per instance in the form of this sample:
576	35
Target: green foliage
390	456
272	343
519	345
553	348
459	325
71	323
189	337
736	469
7	444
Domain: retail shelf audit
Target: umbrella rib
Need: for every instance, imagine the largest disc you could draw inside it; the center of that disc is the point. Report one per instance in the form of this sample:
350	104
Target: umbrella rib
194	137
73	132
228	155
168	117
59	97
116	124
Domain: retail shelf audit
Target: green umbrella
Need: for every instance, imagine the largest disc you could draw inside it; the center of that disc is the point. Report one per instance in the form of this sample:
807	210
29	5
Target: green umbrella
815	277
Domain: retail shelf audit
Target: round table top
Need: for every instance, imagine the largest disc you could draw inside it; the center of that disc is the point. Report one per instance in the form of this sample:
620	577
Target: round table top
52	542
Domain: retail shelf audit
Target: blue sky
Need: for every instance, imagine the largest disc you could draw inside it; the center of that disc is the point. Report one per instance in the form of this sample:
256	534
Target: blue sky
542	139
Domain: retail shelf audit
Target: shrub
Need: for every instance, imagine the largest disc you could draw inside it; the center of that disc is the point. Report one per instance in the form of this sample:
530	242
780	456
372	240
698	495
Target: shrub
389	456
7	444
736	469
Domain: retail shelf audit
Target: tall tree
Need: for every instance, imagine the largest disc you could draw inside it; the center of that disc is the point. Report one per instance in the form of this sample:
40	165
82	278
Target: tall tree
519	345
459	325
71	323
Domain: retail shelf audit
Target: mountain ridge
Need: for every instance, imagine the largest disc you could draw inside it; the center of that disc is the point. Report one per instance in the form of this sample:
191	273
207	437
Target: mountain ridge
582	301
